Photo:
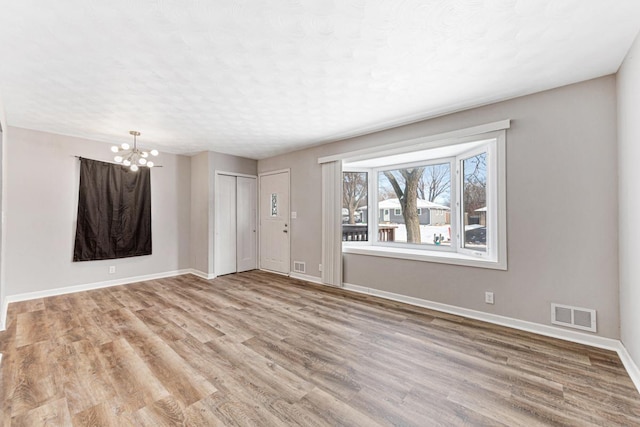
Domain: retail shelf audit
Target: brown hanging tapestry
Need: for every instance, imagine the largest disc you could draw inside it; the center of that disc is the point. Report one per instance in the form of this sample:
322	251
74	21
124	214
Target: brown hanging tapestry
114	212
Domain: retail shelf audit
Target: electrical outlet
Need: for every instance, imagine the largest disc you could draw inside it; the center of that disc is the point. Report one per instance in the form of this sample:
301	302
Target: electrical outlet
112	269
488	297
320	267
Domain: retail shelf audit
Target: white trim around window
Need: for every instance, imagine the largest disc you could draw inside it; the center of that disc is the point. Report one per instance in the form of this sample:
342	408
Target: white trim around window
490	253
425	142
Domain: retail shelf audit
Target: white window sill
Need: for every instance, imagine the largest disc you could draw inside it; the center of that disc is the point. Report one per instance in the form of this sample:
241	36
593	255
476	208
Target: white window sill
424	255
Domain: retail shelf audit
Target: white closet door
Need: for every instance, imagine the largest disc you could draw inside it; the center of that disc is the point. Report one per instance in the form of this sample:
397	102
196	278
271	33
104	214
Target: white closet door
246	215
225	250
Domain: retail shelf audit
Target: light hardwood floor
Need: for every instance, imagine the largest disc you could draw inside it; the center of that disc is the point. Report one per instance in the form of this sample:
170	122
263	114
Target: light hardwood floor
261	349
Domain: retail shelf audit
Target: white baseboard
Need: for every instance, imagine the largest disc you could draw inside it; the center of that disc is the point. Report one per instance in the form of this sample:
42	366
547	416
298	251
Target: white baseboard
96	285
306	278
545	330
630	365
536	328
202	274
274	272
3	314
85	287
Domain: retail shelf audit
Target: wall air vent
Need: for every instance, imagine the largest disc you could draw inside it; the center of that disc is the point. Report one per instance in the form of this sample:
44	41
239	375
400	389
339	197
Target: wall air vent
573	317
299	267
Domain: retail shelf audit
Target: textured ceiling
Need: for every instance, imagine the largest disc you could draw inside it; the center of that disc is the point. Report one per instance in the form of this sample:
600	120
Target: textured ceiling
258	78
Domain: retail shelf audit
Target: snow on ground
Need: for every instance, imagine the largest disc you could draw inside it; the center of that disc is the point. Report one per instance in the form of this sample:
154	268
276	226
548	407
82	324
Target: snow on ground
426	233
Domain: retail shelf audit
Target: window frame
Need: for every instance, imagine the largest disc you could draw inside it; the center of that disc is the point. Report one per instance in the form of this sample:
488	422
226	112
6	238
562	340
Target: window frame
494	144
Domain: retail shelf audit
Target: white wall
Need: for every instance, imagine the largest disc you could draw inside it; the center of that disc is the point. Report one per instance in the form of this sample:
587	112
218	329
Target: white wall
561	210
41	195
629	199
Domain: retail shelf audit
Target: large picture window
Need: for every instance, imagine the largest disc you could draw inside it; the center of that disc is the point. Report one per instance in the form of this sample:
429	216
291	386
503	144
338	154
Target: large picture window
442	203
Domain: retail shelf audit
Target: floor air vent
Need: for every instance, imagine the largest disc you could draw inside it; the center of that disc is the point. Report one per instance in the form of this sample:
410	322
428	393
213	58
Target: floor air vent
299	267
573	317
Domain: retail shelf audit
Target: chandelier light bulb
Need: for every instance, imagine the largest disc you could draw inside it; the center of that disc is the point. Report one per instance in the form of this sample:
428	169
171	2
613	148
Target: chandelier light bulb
132	156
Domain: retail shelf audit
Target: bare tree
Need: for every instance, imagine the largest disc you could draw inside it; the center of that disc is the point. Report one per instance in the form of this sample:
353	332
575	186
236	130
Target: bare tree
386	193
435	181
408	198
354	192
475	183
475	196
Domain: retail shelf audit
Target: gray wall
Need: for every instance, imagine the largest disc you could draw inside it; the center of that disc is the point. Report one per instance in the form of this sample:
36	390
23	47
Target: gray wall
42	194
629	191
227	163
561	163
3	171
41	209
201	213
203	168
306	201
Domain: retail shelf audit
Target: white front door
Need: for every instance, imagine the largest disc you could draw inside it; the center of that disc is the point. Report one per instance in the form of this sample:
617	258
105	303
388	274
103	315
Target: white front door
246	215
274	222
225	249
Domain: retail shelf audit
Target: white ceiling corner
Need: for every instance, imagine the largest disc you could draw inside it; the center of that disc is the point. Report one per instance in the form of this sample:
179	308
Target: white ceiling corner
257	79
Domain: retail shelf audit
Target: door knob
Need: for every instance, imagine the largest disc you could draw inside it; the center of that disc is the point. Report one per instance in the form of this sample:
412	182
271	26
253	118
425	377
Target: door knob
284	231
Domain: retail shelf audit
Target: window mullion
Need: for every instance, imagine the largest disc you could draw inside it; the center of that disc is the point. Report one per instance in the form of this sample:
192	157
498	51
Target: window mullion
373	203
459	205
455	205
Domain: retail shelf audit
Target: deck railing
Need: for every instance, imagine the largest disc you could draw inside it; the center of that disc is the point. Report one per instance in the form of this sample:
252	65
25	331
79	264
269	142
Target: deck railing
360	233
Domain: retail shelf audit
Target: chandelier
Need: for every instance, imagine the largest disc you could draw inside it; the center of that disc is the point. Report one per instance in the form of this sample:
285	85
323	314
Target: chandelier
133	157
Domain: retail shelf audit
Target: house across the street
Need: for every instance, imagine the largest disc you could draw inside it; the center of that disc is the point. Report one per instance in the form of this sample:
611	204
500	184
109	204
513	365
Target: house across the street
389	211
